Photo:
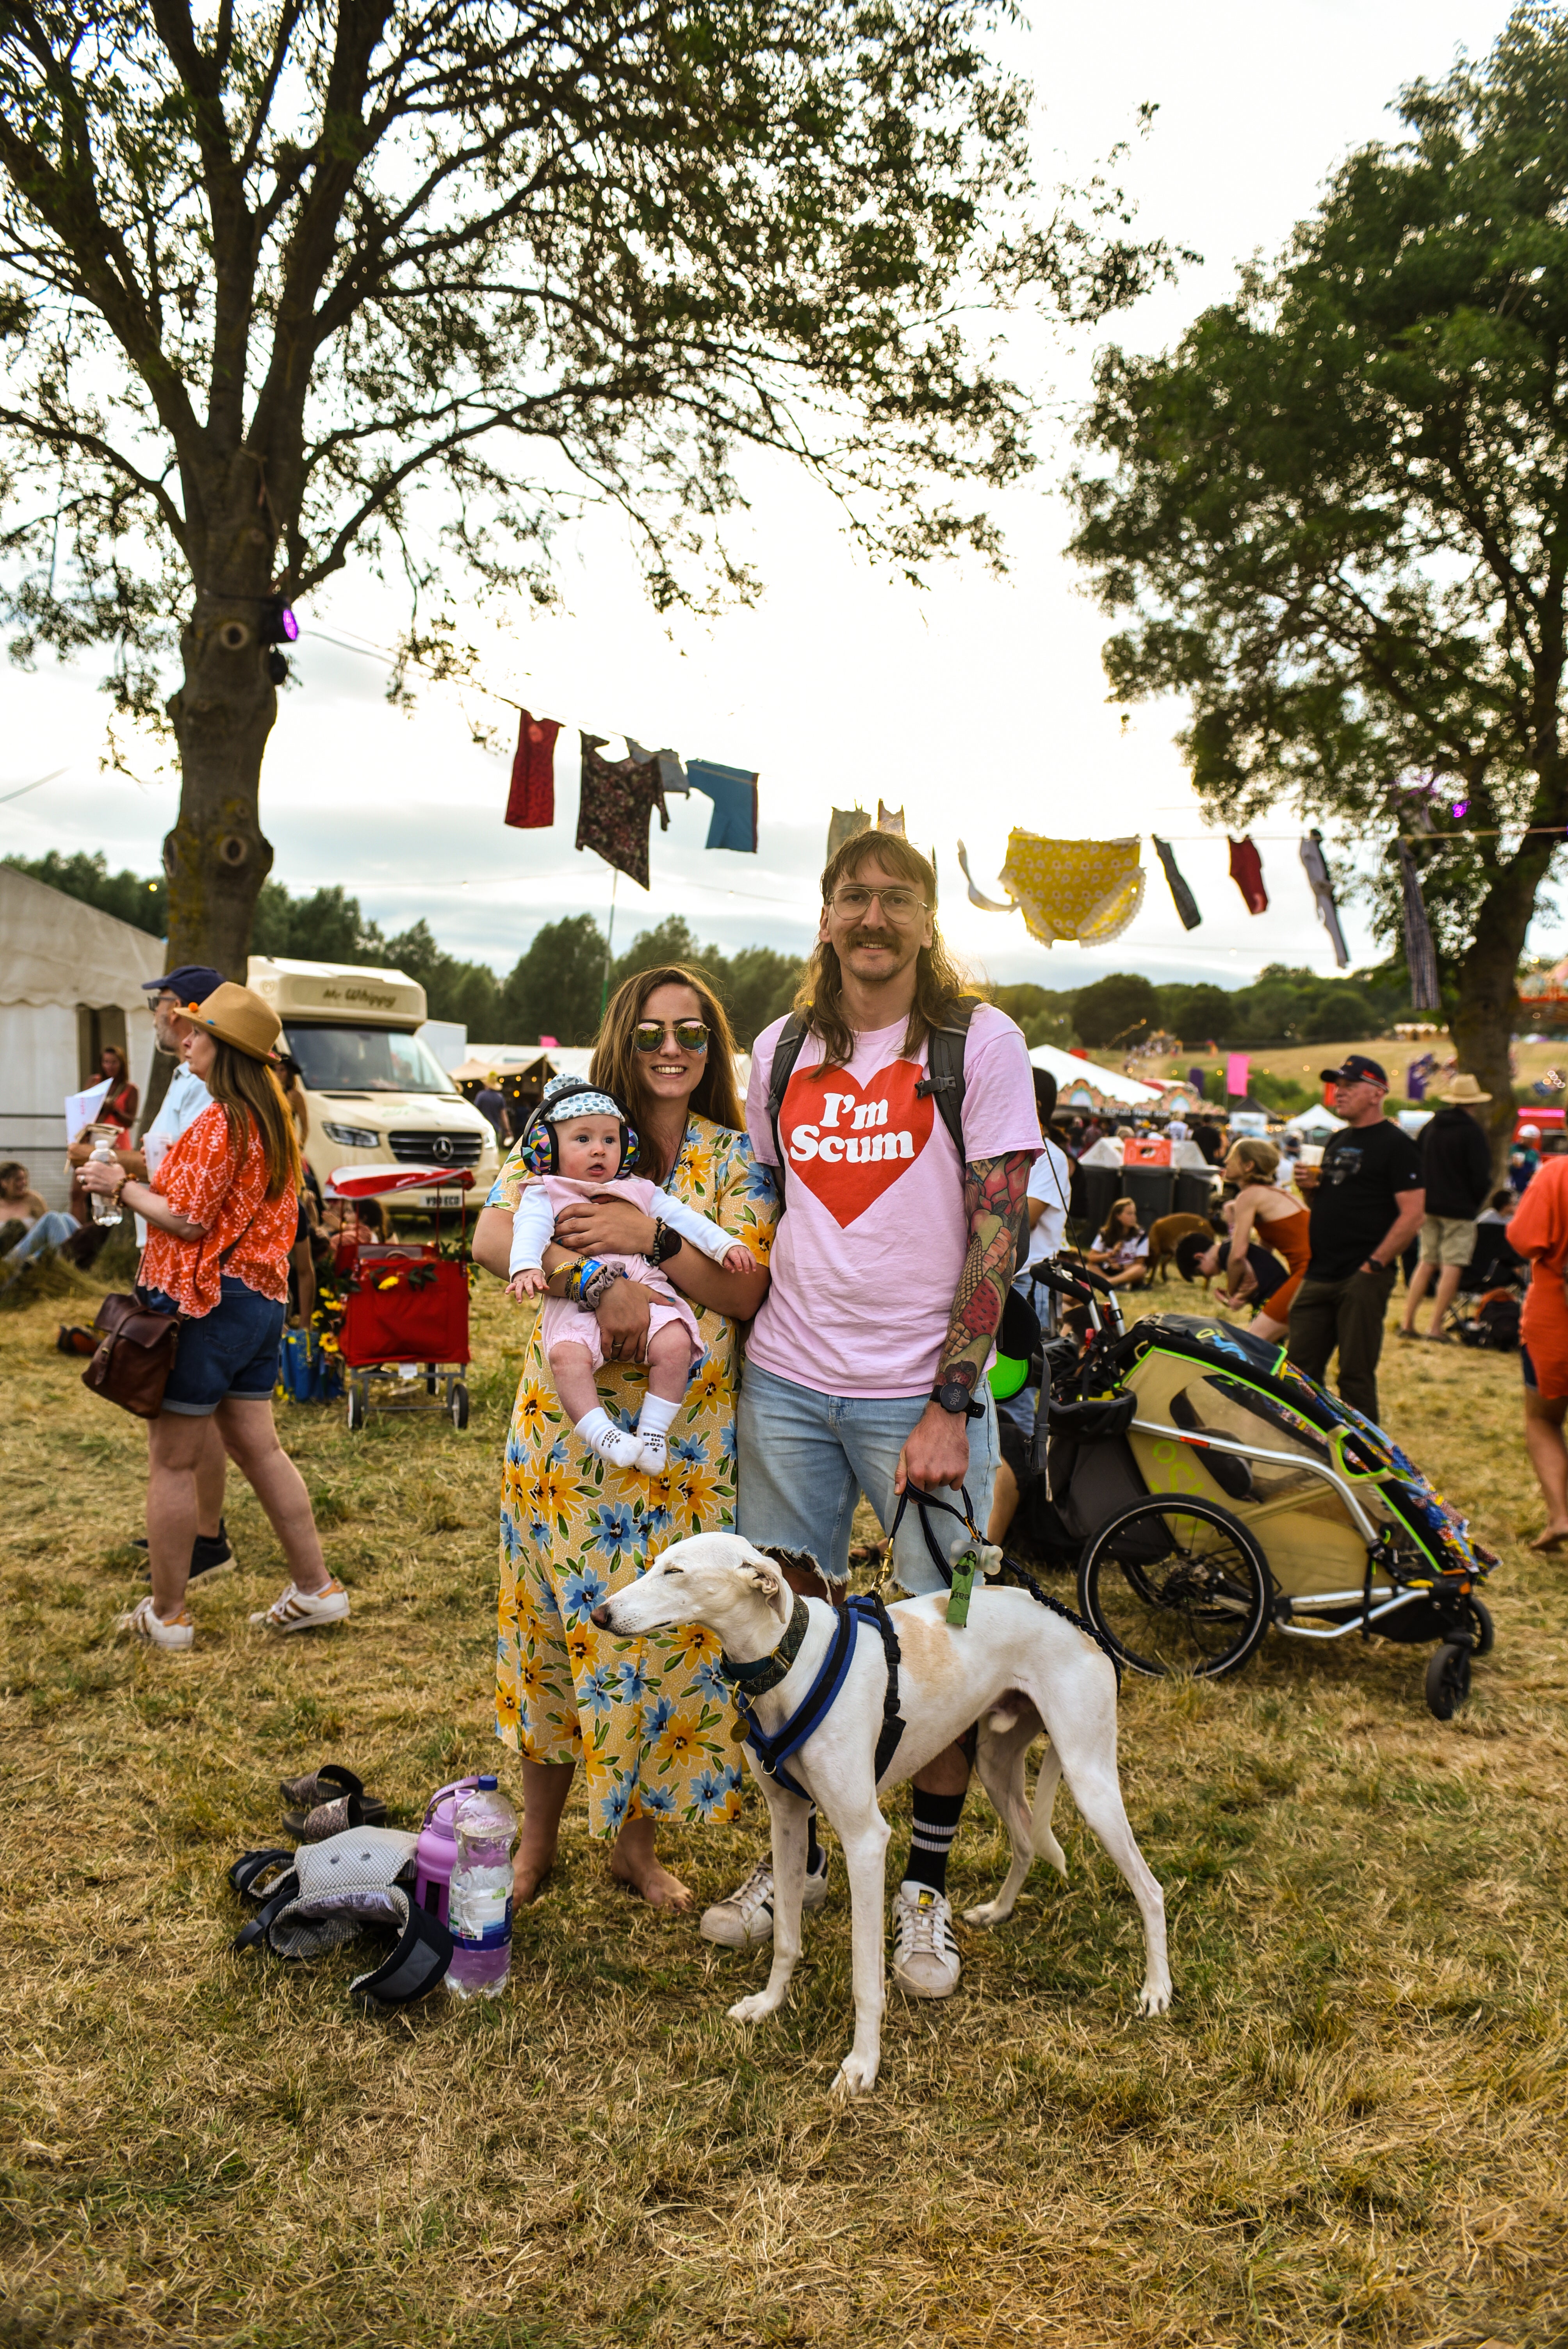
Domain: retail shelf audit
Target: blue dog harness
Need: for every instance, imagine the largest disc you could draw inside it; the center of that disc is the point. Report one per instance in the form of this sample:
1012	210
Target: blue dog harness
772	1753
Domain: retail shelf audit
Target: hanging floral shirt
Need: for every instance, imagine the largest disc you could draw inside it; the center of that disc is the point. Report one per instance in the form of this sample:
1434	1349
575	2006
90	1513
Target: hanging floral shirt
204	1179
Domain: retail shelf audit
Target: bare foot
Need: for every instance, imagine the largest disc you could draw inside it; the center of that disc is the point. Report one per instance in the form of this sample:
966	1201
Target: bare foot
640	1871
1554	1538
528	1874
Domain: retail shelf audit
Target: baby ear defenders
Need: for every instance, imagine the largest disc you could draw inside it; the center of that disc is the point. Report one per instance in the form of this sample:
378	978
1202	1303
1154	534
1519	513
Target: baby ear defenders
565	1098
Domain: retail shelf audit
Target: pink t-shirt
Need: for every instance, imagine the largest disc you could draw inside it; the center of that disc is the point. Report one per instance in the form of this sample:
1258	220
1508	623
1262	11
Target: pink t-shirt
873	1236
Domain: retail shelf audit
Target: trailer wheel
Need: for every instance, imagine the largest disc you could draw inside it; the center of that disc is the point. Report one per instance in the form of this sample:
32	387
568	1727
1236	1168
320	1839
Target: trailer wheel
1484	1638
1177	1585
457	1404
1448	1678
356	1410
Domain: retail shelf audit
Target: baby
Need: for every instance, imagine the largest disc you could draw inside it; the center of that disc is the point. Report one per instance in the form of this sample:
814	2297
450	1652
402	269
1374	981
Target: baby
580	1145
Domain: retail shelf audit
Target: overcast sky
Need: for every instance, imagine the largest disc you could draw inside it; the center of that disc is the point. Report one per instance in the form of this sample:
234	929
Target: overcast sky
978	705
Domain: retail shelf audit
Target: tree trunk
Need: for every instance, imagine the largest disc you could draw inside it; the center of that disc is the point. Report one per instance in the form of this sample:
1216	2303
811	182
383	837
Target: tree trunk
1483	1023
216	857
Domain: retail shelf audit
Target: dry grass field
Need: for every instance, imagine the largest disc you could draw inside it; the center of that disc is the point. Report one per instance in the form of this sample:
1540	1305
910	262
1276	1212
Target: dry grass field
1350	2128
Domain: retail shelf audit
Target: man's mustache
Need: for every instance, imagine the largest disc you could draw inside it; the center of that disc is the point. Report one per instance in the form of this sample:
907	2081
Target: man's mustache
870	938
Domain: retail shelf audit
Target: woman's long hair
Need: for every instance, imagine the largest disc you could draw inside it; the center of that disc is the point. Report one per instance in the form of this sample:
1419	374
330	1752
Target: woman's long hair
615	1064
1110	1231
939	983
1260	1158
245	1088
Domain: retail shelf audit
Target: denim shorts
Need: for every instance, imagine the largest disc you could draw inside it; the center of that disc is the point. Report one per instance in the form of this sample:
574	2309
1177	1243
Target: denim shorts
228	1355
805	1458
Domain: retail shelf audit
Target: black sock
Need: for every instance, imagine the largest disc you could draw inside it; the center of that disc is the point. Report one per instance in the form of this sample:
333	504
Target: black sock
815	1863
937	1820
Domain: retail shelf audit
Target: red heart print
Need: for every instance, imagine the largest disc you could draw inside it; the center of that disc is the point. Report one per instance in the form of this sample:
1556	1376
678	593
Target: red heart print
849	1143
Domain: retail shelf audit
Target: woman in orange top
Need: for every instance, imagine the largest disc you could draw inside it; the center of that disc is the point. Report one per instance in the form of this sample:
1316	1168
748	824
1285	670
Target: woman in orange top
221	1212
1539	1230
1266	1217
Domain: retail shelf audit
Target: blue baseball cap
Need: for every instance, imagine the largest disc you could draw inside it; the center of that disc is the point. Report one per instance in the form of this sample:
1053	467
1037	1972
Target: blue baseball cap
192	982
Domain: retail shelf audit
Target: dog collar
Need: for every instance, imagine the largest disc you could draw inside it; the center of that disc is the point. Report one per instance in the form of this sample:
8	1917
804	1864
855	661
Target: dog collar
757	1679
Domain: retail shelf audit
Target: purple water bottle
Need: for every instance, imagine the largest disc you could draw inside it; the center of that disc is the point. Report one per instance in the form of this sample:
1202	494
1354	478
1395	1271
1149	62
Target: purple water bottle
479	1900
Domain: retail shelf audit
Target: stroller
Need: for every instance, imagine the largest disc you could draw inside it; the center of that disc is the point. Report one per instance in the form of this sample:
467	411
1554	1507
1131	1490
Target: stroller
1208	1490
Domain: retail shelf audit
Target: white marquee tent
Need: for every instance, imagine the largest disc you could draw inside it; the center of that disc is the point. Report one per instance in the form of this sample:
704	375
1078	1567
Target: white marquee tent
70	983
1081	1084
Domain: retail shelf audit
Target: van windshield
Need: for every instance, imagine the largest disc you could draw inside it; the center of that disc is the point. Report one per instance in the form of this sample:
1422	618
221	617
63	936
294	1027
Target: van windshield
365	1061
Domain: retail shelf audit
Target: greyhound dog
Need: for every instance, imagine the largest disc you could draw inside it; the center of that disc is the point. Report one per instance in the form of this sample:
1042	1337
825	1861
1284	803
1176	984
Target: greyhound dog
1017	1668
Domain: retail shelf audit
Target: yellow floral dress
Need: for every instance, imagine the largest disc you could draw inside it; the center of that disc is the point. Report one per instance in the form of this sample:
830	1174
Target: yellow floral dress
651	1718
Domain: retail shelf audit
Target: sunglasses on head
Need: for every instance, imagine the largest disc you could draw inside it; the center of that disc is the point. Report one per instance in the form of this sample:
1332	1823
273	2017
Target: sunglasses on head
691	1035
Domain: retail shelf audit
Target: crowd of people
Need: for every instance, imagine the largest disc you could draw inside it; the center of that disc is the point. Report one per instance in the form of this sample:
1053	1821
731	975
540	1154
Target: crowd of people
870	1218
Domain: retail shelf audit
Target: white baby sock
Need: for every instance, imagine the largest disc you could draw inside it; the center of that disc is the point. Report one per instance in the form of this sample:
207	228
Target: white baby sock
653	1428
601	1435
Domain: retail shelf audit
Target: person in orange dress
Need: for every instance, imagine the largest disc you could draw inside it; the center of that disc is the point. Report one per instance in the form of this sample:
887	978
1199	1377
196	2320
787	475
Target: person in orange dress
1539	1230
1263	1217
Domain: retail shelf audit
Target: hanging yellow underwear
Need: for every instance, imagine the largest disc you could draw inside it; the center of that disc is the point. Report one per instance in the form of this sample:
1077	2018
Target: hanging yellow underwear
1084	889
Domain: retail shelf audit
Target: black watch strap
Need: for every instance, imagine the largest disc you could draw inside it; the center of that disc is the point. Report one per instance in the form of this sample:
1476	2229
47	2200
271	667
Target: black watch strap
954	1397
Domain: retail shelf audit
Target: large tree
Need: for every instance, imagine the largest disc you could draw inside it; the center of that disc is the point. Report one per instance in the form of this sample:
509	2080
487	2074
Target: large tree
412	277
1338	511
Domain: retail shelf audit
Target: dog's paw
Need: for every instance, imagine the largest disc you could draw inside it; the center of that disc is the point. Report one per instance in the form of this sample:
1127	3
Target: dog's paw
1154	1998
753	2009
856	2075
990	1912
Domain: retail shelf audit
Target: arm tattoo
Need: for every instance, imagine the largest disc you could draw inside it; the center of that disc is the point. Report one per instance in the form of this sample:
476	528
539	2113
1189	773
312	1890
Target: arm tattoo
996	1206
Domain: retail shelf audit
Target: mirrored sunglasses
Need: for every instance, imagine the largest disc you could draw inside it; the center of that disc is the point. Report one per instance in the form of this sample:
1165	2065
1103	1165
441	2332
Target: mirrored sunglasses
690	1035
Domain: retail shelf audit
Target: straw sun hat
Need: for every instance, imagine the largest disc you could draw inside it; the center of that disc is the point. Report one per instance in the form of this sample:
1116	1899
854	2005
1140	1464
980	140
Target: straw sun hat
237	1016
1465	1093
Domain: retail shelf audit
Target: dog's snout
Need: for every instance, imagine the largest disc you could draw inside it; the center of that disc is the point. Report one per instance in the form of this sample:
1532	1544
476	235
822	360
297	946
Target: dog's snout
600	1616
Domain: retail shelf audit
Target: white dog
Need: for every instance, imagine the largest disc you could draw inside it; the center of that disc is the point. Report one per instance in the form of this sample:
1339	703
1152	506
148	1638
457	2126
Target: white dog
1016	1668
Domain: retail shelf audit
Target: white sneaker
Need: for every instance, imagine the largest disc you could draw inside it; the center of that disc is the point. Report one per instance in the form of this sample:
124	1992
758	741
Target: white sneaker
925	1960
653	1455
747	1917
143	1622
304	1610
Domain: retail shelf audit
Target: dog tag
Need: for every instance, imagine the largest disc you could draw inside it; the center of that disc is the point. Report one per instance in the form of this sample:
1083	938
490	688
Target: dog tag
963	1584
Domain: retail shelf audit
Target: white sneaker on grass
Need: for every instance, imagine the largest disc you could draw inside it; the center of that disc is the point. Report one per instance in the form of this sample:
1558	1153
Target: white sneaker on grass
925	1960
143	1623
745	1917
305	1610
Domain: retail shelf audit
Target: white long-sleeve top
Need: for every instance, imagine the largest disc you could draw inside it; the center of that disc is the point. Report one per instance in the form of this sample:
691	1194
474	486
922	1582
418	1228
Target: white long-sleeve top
534	1220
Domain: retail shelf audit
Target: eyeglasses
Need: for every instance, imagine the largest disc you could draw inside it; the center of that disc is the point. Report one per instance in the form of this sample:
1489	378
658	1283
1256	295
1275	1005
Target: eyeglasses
690	1035
900	906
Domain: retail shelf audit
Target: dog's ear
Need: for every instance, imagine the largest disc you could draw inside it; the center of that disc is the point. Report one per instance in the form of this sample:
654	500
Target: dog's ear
799	1570
767	1577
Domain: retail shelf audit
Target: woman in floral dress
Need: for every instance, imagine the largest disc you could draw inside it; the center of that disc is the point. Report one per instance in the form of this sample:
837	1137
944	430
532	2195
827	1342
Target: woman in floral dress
650	1718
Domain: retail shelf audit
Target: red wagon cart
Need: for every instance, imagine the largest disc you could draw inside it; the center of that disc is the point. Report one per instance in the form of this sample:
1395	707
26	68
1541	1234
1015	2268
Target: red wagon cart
405	1310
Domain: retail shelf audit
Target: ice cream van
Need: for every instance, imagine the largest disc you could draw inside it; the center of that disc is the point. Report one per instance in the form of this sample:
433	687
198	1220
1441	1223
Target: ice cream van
376	1093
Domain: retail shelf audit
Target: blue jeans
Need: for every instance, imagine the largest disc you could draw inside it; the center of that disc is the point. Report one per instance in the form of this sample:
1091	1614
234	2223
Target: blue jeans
229	1354
804	1458
47	1233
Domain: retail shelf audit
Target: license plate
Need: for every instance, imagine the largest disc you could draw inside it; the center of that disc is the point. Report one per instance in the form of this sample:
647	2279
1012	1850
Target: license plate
447	1198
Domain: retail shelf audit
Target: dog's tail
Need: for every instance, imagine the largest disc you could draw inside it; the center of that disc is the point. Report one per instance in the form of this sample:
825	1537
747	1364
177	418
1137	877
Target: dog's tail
1046	1784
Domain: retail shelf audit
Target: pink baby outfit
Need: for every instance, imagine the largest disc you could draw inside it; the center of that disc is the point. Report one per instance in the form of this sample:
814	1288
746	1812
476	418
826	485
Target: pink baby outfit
562	1322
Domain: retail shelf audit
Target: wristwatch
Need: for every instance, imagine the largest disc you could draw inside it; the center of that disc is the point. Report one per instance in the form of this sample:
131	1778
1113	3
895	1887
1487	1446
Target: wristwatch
954	1397
666	1243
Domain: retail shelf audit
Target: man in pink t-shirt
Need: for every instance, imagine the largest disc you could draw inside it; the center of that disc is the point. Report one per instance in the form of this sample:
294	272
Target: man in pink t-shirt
865	1367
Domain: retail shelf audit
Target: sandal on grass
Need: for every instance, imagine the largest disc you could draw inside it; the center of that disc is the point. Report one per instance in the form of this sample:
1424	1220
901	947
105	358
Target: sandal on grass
331	1818
325	1786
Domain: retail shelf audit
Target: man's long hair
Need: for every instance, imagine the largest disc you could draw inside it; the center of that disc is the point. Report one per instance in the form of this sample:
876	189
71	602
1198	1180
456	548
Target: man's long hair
617	1064
939	984
245	1088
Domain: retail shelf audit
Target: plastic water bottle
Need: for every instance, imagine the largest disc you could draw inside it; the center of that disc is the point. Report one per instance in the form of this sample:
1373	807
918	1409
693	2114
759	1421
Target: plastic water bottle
478	1902
106	1210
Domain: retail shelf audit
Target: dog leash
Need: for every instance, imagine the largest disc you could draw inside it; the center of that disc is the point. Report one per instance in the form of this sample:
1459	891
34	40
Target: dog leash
968	1566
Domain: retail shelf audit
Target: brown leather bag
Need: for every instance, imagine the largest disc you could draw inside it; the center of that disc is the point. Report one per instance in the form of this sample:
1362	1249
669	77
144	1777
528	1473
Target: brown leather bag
135	1355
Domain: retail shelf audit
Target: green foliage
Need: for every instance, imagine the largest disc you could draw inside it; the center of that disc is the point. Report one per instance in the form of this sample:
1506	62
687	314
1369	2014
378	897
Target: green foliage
269	274
1119	1010
755	986
556	986
144	904
1045	1018
1335	515
1288	1095
325	926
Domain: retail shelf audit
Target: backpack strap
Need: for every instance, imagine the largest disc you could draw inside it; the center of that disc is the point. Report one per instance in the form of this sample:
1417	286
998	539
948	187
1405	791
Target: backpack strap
786	1052
944	1080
